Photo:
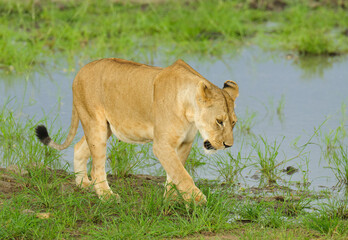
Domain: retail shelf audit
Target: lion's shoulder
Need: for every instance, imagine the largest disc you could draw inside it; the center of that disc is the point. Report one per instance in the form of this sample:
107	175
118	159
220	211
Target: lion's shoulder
182	67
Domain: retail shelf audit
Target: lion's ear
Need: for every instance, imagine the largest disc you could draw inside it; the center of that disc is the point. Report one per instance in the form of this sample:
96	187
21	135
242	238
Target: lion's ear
204	93
231	87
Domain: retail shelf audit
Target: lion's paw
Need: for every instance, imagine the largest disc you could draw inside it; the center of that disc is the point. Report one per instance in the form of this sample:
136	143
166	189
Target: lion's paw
83	183
196	196
109	196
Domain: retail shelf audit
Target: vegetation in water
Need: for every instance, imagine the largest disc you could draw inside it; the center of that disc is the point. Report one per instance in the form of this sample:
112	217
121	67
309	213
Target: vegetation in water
17	142
229	167
267	155
334	148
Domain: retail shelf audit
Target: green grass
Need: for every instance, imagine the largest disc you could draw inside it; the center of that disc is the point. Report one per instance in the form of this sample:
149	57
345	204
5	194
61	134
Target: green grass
245	124
339	165
326	223
125	159
280	108
267	161
196	159
335	152
229	167
42	187
143	213
18	142
32	31
312	32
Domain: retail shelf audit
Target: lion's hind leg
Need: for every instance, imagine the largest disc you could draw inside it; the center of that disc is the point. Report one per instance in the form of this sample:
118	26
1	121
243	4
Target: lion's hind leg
81	156
97	135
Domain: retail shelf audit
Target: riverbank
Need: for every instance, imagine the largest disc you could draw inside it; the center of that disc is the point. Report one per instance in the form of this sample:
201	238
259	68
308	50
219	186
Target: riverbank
33	31
40	203
39	199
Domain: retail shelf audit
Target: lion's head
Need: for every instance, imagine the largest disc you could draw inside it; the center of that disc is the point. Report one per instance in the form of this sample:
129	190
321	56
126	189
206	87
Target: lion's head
214	115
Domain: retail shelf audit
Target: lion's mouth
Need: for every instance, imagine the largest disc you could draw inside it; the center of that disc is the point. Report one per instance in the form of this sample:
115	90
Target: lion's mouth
207	145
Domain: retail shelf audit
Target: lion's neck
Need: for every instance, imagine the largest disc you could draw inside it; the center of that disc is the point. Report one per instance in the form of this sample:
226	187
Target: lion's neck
188	100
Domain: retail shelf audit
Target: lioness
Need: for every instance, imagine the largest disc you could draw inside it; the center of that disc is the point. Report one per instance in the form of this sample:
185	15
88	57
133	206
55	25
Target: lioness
140	103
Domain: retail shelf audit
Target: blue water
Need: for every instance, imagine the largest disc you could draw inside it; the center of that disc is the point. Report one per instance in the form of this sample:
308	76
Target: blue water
312	89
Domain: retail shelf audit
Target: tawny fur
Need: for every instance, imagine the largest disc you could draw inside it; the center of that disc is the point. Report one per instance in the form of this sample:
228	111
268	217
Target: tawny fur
140	103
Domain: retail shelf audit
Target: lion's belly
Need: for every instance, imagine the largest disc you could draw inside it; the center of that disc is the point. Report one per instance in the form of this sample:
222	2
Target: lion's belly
137	133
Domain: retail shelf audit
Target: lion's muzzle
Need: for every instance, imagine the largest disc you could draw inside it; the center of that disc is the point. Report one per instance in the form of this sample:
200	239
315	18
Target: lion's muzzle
227	146
207	145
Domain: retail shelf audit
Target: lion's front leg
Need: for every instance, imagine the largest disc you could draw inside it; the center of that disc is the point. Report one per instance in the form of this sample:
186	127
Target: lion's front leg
173	163
183	152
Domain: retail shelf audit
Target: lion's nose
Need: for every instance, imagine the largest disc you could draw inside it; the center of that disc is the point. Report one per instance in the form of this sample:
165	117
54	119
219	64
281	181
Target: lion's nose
227	146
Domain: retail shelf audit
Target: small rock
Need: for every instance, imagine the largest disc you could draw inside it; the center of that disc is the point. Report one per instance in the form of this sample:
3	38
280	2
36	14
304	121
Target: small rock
296	198
27	211
290	56
290	170
279	198
38	215
255	177
274	198
43	215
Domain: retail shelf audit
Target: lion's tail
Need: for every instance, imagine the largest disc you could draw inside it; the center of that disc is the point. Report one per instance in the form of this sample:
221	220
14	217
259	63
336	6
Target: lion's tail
42	134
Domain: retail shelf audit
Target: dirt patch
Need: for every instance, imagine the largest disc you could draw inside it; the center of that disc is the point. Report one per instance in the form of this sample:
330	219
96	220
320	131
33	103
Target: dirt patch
141	178
8	183
212	236
12	181
345	32
271	5
328	3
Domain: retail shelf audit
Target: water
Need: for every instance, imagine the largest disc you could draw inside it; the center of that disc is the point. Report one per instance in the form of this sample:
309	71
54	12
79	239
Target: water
311	89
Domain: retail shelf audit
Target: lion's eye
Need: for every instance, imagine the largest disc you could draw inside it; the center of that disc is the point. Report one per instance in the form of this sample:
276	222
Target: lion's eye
220	122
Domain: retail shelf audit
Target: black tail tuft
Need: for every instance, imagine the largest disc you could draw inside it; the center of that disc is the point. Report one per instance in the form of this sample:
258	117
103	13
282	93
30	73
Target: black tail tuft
42	134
